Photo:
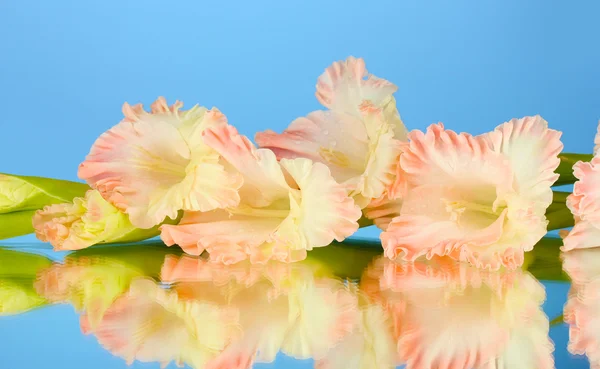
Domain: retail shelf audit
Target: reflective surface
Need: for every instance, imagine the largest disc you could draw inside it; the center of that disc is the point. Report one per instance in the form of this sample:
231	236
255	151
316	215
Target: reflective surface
149	306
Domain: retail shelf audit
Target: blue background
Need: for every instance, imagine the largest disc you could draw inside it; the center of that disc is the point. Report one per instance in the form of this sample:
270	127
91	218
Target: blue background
66	67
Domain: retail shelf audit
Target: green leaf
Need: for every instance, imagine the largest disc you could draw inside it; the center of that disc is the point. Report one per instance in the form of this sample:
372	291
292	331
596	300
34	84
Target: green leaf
19	193
560	218
544	262
16	224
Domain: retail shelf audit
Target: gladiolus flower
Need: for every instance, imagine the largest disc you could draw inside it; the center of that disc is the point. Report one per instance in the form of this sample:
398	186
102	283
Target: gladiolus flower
357	138
152	165
85	222
478	199
584	203
286	208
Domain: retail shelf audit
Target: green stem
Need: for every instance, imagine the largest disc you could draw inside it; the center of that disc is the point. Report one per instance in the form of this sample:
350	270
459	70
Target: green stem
560	219
364	222
565	169
558	320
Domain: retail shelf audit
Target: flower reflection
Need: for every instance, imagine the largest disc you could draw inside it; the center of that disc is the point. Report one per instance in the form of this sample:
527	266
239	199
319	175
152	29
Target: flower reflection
451	315
583	304
91	280
152	324
153	305
17	275
298	309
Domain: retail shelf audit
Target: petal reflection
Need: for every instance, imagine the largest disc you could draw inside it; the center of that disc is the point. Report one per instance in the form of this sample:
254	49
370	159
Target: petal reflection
299	309
452	315
583	304
91	280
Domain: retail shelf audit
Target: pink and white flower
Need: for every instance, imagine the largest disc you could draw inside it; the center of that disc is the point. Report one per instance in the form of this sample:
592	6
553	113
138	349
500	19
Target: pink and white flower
357	138
152	165
480	199
584	203
286	207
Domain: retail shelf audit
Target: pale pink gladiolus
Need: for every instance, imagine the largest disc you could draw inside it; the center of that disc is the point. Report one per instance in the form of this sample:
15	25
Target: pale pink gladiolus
584	203
480	199
357	138
286	208
152	165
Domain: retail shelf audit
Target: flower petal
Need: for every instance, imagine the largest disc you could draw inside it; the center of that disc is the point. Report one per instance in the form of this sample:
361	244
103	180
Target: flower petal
460	202
335	139
584	202
345	85
439	156
583	235
532	150
263	179
324	212
219	232
382	210
361	153
151	166
83	223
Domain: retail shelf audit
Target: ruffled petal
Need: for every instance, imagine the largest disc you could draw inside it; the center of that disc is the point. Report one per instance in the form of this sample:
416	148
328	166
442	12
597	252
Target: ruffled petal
263	179
335	139
583	235
358	139
361	153
382	211
441	156
532	150
228	238
153	165
347	84
456	201
85	222
322	212
380	172
584	202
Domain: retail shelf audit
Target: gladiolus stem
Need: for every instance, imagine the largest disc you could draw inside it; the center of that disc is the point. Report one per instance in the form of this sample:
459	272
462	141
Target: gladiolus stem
560	219
565	169
364	222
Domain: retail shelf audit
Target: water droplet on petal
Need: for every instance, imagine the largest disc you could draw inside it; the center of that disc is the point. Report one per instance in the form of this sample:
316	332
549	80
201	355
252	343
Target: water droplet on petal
325	132
333	143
